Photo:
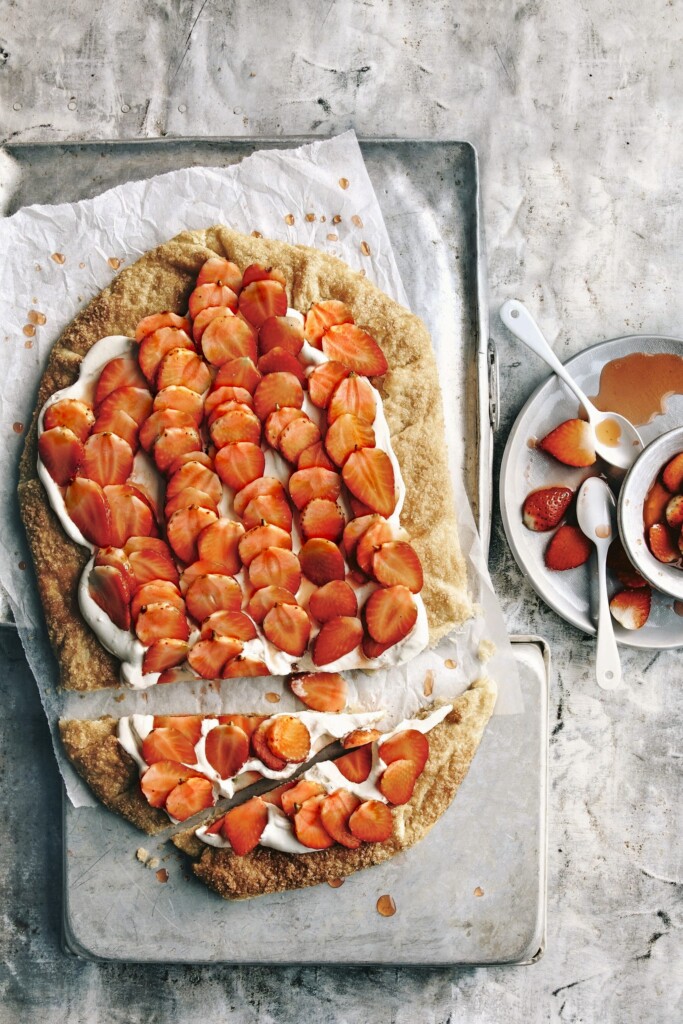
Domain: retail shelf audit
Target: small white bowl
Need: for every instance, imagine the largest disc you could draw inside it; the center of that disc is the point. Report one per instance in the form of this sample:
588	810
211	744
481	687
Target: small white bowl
637	483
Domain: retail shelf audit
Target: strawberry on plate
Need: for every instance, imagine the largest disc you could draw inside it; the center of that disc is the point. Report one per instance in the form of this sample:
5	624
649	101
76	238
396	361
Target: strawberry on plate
631	608
321	691
568	548
572	443
544	509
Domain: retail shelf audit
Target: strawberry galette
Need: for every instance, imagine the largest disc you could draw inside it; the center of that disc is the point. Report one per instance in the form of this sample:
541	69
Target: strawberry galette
237	468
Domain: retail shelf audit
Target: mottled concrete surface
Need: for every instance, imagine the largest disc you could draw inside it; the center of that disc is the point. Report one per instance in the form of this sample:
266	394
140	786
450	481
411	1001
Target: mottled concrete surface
576	111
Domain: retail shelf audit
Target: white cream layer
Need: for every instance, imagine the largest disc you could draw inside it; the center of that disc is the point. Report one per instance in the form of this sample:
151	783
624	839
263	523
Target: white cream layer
279	832
124	645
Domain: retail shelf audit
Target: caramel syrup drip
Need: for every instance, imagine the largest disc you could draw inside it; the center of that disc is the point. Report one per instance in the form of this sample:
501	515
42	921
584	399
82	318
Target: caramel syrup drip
638	385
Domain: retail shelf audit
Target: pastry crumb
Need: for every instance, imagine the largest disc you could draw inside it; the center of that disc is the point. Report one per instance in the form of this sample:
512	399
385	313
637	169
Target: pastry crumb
153	863
478	891
487	649
142	854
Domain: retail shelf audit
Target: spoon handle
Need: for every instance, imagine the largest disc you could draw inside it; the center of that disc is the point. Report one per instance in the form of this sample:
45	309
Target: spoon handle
607	664
520	322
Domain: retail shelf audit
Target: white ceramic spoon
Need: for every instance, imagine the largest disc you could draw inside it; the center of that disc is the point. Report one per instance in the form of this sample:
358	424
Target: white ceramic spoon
616	439
595	510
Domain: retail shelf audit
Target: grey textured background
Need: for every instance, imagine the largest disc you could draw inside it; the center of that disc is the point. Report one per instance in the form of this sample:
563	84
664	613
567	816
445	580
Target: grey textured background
576	111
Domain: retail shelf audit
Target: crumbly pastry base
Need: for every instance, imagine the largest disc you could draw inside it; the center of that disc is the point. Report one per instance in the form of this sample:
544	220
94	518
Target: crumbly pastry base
452	746
163	279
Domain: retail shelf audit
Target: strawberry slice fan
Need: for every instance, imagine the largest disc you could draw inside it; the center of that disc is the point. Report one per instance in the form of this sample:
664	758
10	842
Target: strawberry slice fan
220	546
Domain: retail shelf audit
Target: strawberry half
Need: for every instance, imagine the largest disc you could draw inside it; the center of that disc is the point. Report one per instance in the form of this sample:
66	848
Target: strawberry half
263	485
243	826
321	691
109	590
390	614
211	294
154	322
568	548
168	744
228	623
355	348
189	725
69	412
337	637
213	593
369	475
672	475
359	737
220	271
631	608
662	543
283	332
289	739
288	627
297	795
398	782
397	562
155	346
308	826
323	381
279	360
162	777
372	822
410	745
321	561
259	743
184	527
263	600
164	654
261	537
227	338
572	443
355	766
315	456
322	519
276	390
61	453
182	367
219	543
655	504
354	395
227	749
335	811
240	463
296	437
257	272
209	657
334	598
323	315
348	434
241	373
122	372
189	798
314	482
277	567
88	507
159	622
131	516
674	511
543	509
261	300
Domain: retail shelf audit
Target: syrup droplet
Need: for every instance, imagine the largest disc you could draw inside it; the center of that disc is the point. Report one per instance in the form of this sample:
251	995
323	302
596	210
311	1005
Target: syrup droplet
336	219
365	248
29	330
58	257
114	262
335	883
602	531
28	344
449	663
81	265
532	443
357	221
310	217
428	684
289	219
274	698
323	218
332	237
478	891
22	565
37	318
386	906
344	183
162	875
256	234
18	428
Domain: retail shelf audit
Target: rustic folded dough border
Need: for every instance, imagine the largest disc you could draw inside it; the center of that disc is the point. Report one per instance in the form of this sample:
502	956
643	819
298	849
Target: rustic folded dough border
163	279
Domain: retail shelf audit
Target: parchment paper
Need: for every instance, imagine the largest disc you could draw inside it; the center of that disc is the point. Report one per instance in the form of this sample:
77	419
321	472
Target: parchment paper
54	259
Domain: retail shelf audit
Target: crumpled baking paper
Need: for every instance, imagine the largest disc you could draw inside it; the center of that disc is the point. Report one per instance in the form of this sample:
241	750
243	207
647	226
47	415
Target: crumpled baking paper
54	259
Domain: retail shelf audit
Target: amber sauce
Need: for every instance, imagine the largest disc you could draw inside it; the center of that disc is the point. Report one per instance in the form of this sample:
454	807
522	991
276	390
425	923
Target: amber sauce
386	906
608	432
638	386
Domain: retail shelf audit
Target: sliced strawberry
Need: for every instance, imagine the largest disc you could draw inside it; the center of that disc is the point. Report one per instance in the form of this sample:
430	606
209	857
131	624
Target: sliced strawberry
199	568
240	463
122	372
296	437
314	457
164	654
161	420
321	561
88	507
165	743
116	421
346	435
243	668
323	315
354	395
308	825
189	798
398	562
358	508
130	514
355	529
264	485
278	420
631	608
174	442
672	475
371	649
235	426
259	743
184	527
227	749
359	737
397	782
69	412
109	590
107	459
618	562
568	548
227	338
323	381
572	443
662	543
220	271
154	322
279	360
372	822
182	399
240	373
155	346
322	519
355	348
118	558
243	826
335	598
377	534
407	745
61	453
209	657
263	600
161	621
213	593
226	393
297	794
335	812
247	723
181	367
288	627
150	564
390	614
211	294
228	623
136	402
674	511
655	504
276	390
261	537
189	725
355	766
337	637
289	738
257	272
190	496
545	508
283	332
262	299
267	509
275	567
194	474
314	482
219	542
162	777
321	691
369	475
207	316
155	592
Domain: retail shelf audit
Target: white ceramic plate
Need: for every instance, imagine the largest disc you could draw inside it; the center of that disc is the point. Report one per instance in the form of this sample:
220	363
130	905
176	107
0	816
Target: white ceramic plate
524	469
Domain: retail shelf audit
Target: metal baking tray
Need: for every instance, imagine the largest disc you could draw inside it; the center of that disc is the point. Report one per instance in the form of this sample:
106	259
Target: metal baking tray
495	845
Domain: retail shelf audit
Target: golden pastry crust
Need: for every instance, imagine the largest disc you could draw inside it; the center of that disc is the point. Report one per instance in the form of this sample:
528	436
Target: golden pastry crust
452	746
163	279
